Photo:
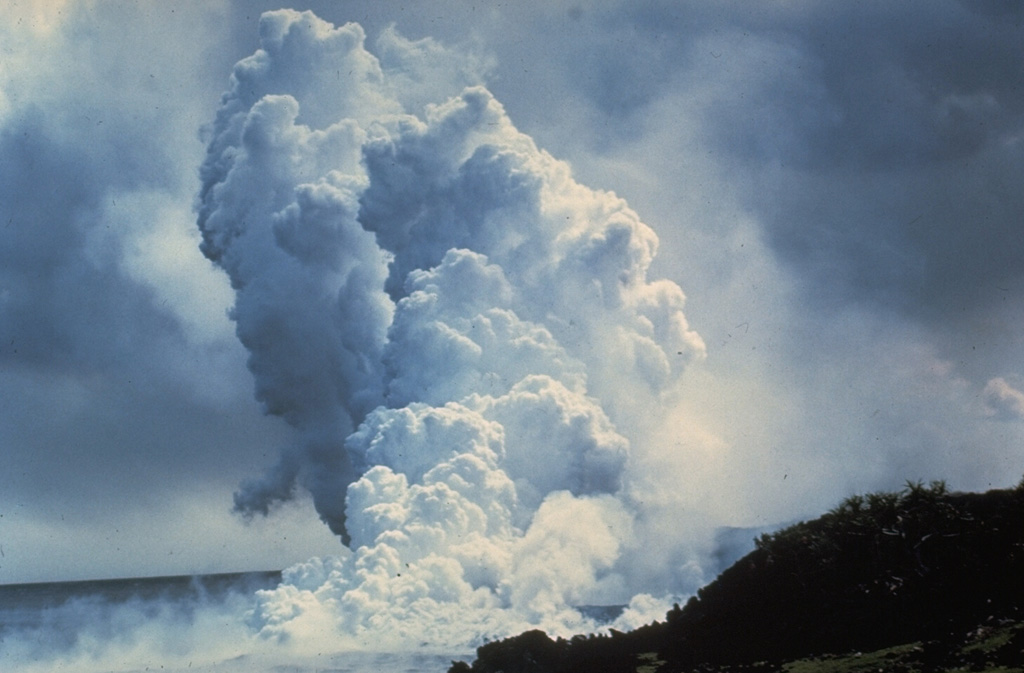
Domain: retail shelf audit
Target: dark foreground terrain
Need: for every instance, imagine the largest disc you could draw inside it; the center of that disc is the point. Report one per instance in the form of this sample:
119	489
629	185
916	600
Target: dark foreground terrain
920	580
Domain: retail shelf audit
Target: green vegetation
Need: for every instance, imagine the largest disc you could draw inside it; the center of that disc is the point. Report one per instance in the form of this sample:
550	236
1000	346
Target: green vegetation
919	580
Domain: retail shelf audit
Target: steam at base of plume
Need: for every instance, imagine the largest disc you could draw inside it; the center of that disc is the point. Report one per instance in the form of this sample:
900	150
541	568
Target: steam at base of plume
463	338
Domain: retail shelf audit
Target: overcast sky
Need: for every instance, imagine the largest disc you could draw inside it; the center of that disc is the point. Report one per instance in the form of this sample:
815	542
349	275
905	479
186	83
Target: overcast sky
837	190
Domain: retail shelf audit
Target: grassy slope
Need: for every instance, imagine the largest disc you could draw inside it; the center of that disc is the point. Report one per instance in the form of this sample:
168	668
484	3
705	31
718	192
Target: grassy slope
921	580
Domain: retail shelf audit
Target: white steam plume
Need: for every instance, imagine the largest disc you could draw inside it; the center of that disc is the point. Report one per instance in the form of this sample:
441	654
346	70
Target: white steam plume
463	337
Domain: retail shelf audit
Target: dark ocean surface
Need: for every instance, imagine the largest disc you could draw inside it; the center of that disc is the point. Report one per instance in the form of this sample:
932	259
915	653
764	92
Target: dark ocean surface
131	625
27	606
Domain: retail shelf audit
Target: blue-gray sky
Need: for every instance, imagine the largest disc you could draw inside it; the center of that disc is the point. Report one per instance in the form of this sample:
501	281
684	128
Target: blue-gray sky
837	191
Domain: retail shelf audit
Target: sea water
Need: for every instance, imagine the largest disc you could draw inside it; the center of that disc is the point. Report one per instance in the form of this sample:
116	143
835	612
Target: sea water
169	624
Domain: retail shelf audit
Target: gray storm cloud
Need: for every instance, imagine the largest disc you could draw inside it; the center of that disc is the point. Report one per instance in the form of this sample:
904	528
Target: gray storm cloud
453	326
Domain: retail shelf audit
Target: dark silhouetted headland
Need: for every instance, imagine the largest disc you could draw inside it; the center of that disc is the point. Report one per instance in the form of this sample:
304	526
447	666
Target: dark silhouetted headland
920	580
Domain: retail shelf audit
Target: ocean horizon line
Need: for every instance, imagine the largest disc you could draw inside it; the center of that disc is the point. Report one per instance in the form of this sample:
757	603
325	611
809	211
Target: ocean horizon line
149	578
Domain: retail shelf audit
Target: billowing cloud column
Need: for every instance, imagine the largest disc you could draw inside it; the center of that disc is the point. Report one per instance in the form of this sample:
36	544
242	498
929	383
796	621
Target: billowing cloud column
454	327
